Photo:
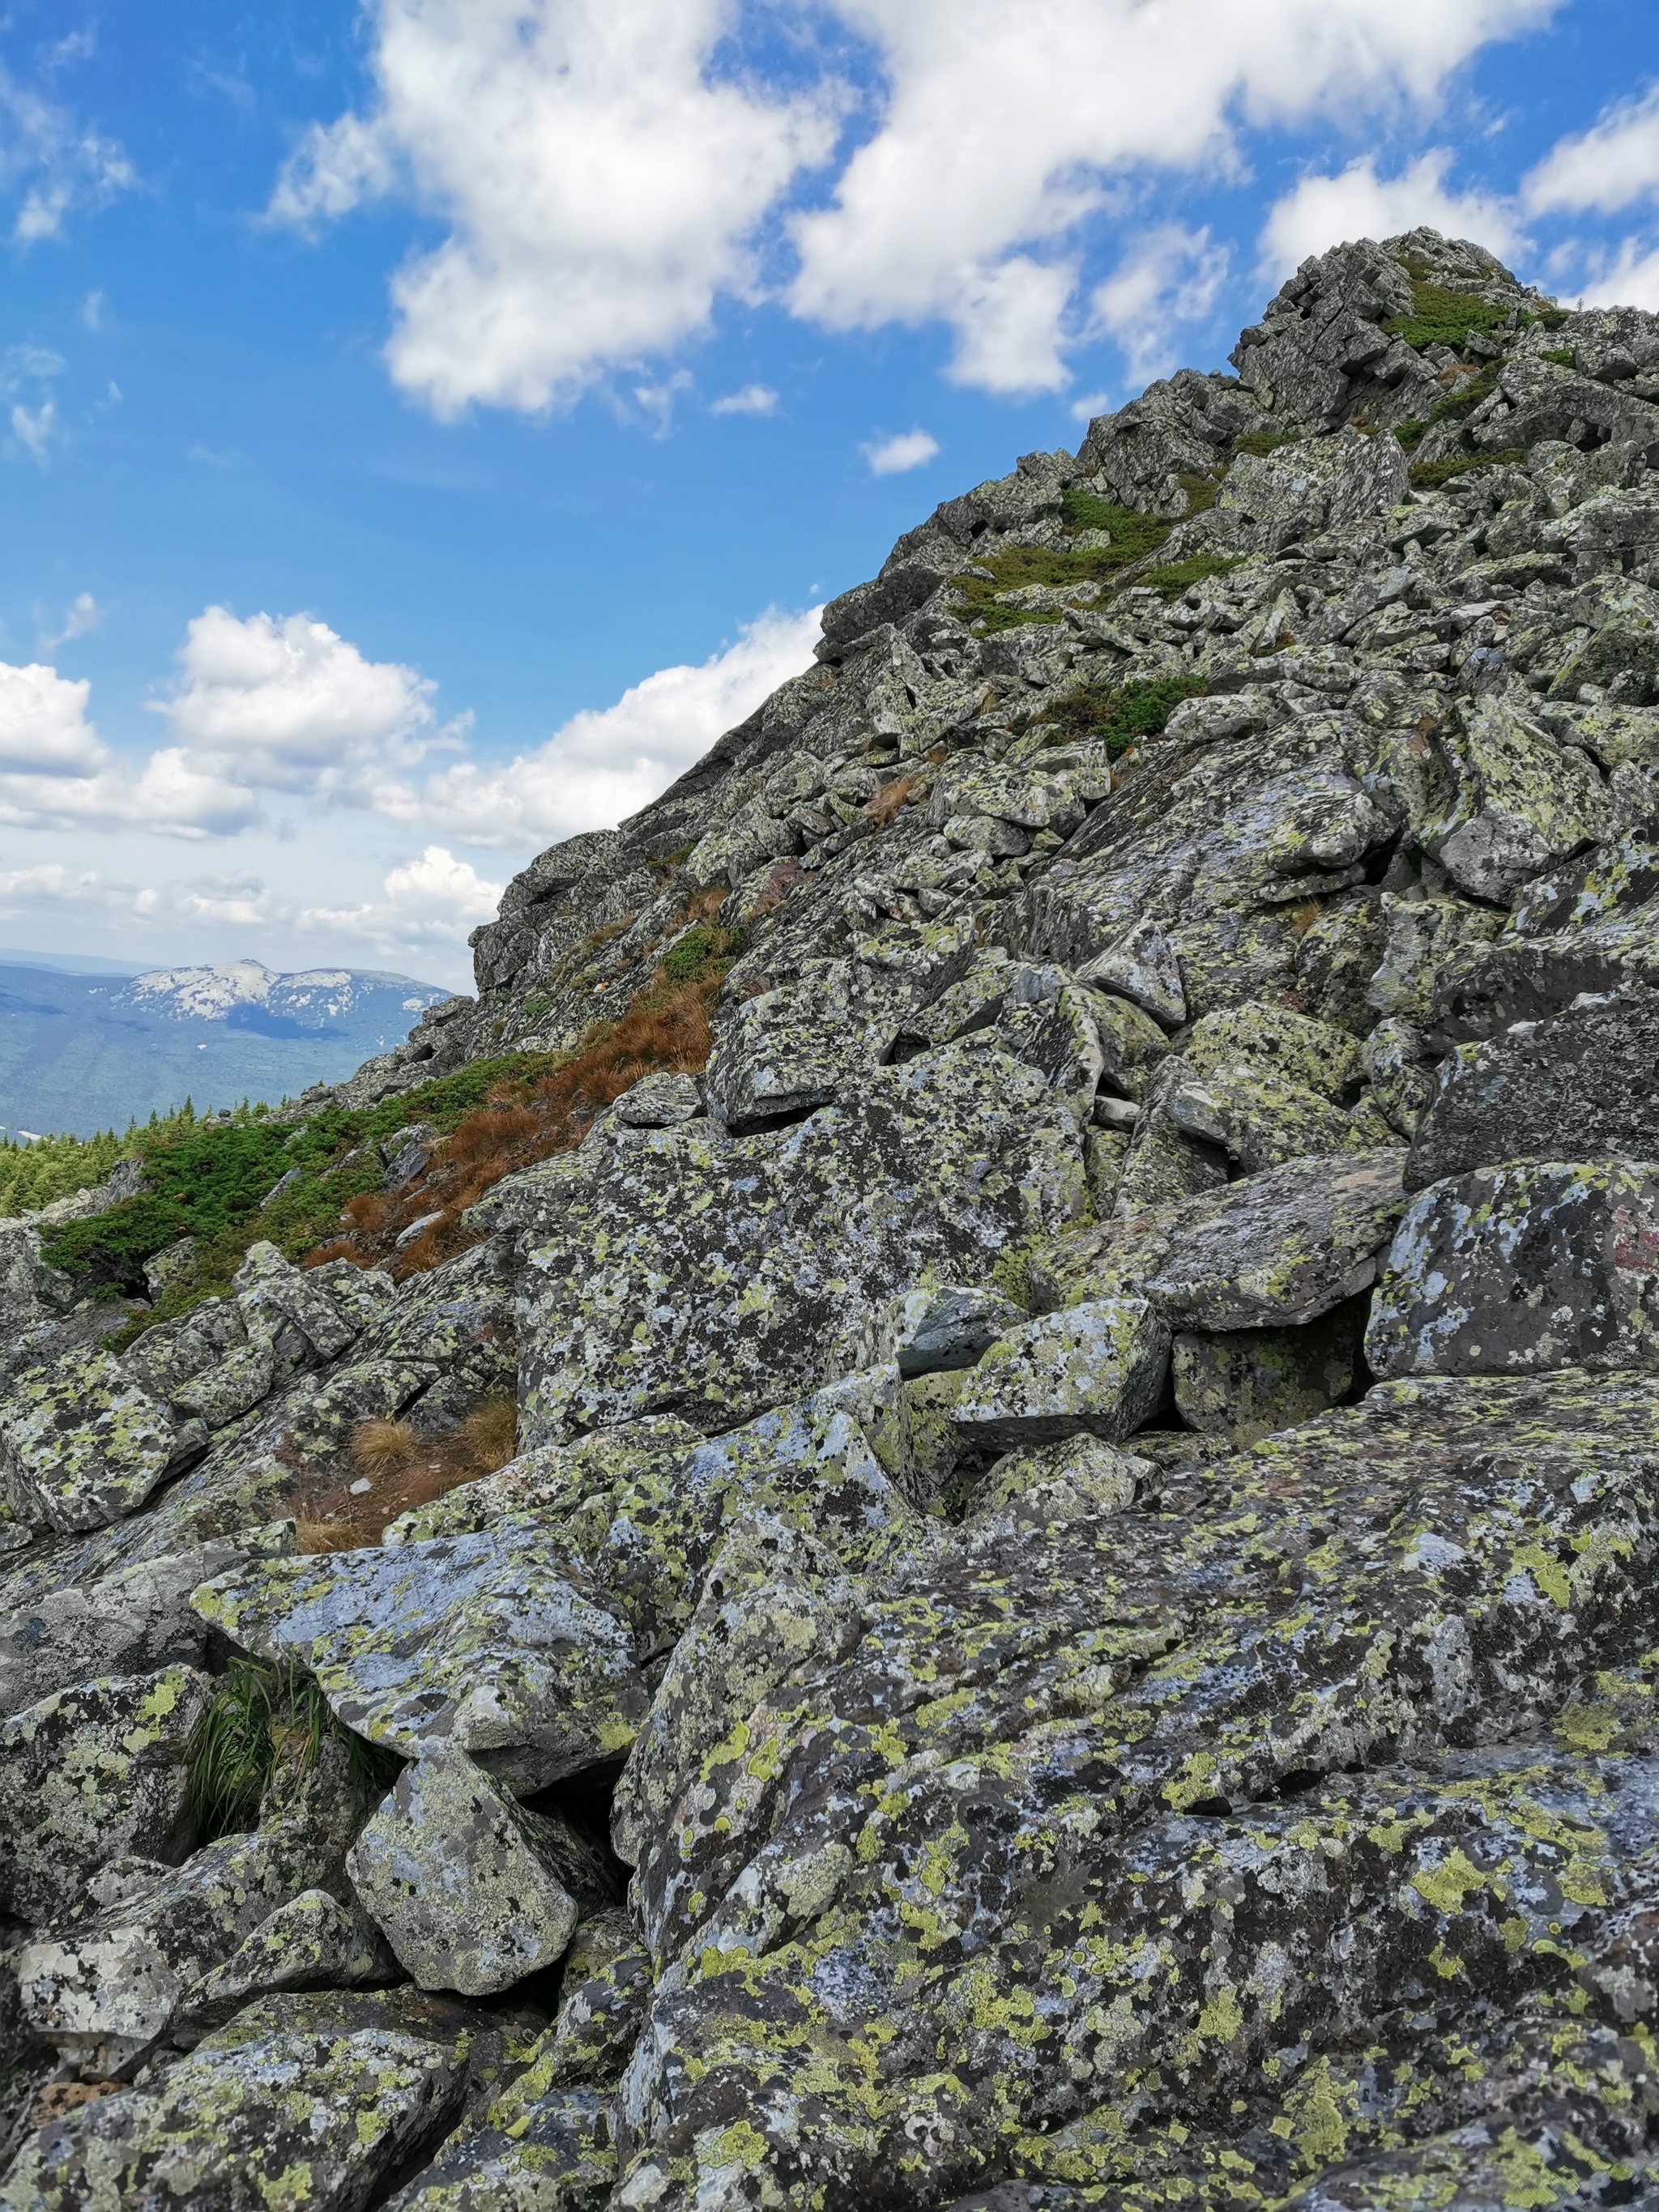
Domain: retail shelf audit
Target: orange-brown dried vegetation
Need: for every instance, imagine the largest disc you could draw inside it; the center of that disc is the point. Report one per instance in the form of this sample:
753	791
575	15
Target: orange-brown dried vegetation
403	1470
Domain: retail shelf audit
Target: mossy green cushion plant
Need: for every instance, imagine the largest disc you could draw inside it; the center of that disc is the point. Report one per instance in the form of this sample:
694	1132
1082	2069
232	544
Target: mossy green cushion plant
1121	717
1440	316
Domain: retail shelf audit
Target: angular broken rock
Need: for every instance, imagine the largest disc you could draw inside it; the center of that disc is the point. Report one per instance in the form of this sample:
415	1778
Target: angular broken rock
558	2156
1099	1368
782	1245
1515	1269
312	1942
497	1643
935	1332
1141	966
1246	1384
293	2120
82	1445
1273	1250
1049	1481
88	1773
1259	1117
1581	1085
1521	801
460	1881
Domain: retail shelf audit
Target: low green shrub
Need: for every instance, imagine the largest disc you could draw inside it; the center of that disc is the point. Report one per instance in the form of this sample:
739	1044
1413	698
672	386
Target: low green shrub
704	950
1177	576
32	1175
1121	716
1441	317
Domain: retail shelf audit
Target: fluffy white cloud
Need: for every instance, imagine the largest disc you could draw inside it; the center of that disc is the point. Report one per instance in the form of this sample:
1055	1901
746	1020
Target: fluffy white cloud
43	723
1170	277
1326	211
600	183
1611	166
432	900
891	456
51	885
603	177
753	399
56	163
606	763
284	702
1006	124
1628	278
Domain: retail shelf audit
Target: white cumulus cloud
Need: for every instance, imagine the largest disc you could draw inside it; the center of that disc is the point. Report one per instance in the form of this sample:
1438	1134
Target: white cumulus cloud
1170	277
1611	166
1325	211
57	164
285	704
600	185
605	764
891	456
433	899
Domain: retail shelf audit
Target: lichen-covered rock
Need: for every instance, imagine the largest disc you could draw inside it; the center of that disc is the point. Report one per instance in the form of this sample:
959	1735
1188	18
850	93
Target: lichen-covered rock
90	1772
1316	484
128	1623
1100	1368
1250	1382
1580	1084
498	1644
81	1444
1515	1269
931	1332
792	1047
1141	966
559	2155
295	2119
771	1603
1274	1250
313	1942
115	1970
1260	1118
460	1879
1080	1475
1521	801
782	1245
603	1990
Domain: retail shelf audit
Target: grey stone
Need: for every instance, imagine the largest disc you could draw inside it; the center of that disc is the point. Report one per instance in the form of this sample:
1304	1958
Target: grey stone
1100	1368
81	1445
458	1880
933	1331
1143	967
1515	1269
1580	1084
1245	1384
313	1942
1274	1250
658	1101
89	1773
558	2156
498	1644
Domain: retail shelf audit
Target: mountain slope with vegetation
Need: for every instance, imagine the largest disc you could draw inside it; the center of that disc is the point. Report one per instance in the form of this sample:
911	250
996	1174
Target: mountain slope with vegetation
955	1508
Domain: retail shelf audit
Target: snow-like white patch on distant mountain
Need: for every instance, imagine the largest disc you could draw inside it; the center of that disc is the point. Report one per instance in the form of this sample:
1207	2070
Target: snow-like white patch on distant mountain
315	998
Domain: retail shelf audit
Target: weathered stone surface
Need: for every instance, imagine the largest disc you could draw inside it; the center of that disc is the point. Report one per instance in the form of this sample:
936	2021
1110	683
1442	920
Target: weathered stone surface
295	2119
497	1645
559	2156
1080	1475
1099	1367
1521	801
771	1603
780	1244
459	1879
1580	1084
1274	1250
1245	1384
603	1990
1142	966
932	1331
104	1982
659	1102
791	1048
88	1773
313	1942
1515	1269
130	1623
81	1445
1128	1706
1317	485
1260	1118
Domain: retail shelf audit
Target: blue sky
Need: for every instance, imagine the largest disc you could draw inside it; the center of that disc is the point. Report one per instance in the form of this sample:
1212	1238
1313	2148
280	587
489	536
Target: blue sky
424	428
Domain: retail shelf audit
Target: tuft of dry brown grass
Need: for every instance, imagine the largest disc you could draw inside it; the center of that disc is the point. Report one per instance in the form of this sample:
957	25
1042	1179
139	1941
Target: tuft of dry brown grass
665	1028
404	1470
704	905
885	805
377	1447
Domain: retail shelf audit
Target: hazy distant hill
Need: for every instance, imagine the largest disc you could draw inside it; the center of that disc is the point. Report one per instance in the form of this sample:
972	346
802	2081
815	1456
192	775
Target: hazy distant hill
83	1052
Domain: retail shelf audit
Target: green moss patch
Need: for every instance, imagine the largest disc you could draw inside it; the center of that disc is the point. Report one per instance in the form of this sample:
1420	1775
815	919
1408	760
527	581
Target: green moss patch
704	952
1427	474
1440	316
1120	716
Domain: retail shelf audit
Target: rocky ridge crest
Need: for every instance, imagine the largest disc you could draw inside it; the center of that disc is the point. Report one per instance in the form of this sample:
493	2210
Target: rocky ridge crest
1069	1618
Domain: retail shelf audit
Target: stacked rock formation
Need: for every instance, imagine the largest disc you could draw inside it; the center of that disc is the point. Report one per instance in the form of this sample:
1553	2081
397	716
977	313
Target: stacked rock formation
1074	1618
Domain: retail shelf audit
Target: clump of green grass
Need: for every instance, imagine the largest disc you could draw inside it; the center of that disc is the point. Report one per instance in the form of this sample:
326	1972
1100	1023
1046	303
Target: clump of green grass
1563	357
263	1720
705	950
1134	538
1261	443
1442	316
1425	475
1120	716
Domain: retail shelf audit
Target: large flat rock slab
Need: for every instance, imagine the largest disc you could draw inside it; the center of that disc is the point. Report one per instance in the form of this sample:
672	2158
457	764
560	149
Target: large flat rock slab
1516	1269
1272	1251
494	1643
712	1279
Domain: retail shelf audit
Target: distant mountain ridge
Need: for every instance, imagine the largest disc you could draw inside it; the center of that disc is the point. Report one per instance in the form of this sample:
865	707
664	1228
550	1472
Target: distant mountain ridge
84	1052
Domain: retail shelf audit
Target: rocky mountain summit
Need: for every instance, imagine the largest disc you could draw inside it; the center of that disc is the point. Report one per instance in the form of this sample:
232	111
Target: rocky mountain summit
958	1506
